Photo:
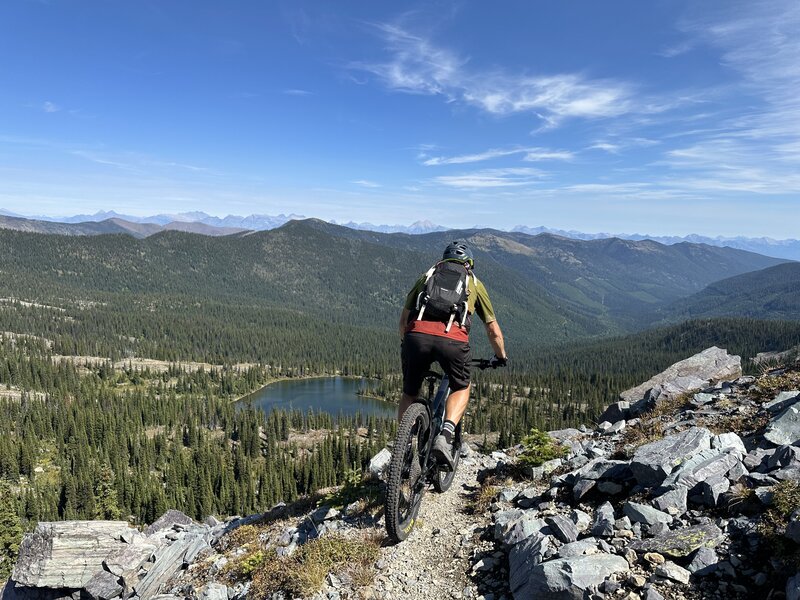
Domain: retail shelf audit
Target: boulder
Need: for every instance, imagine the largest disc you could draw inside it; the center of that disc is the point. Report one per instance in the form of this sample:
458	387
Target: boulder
563	528
793	527
525	556
167	521
616	412
783	456
701	467
103	586
703	562
588	546
653	462
713	488
379	462
67	554
730	441
604	521
782	401
682	542
672	501
785	428
641	513
169	560
568	578
670	570
693	374
214	591
523	528
793	588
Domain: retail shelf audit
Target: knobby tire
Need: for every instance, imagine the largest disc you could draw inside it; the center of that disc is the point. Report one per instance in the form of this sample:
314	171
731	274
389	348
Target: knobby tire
402	500
442	478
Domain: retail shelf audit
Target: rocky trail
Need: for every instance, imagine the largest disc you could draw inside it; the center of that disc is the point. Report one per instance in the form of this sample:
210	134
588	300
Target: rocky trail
688	489
445	556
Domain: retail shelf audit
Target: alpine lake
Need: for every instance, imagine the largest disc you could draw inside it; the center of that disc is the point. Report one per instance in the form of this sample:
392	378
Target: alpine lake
333	395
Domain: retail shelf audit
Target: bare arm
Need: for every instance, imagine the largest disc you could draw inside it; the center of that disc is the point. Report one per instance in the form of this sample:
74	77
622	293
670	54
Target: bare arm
496	339
403	321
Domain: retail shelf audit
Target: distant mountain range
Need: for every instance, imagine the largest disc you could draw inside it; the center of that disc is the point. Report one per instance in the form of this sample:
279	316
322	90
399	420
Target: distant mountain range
547	288
231	222
762	245
788	248
111	225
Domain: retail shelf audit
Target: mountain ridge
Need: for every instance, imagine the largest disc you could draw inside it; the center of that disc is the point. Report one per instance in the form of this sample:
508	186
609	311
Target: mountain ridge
544	287
779	248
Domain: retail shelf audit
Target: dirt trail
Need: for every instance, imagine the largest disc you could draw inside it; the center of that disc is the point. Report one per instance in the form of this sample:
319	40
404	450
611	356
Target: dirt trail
440	557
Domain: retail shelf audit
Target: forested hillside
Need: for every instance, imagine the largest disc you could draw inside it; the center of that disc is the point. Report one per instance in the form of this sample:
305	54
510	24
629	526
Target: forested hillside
81	437
767	294
311	293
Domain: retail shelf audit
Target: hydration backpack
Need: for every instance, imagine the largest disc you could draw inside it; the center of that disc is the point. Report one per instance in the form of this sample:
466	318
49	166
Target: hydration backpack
445	295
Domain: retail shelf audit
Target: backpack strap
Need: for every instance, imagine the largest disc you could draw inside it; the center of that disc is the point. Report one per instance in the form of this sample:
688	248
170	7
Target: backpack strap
465	312
420	297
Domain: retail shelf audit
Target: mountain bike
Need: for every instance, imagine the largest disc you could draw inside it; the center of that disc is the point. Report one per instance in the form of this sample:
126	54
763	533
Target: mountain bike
412	467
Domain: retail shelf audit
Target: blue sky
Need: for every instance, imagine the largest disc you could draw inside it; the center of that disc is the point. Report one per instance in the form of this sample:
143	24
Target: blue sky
658	117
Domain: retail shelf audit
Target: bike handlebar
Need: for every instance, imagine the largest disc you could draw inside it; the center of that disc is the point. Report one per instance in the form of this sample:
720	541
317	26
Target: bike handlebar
485	363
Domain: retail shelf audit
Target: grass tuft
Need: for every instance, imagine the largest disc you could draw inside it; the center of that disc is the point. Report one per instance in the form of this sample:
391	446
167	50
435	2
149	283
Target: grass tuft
484	496
304	573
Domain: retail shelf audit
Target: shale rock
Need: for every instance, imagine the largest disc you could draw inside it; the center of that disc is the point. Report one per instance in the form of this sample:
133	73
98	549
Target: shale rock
785	428
569	578
67	554
682	542
692	374
653	462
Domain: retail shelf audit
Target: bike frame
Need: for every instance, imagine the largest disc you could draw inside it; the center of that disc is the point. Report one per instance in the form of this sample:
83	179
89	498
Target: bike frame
435	405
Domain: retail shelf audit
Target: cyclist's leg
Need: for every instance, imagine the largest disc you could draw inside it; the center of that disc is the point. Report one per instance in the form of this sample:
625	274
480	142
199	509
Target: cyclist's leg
454	358
456	405
417	359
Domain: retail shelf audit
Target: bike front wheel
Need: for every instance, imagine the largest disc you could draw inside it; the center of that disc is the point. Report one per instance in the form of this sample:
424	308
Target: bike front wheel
406	485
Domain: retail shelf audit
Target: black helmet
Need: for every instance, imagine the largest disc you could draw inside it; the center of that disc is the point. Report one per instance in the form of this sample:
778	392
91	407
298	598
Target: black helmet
458	250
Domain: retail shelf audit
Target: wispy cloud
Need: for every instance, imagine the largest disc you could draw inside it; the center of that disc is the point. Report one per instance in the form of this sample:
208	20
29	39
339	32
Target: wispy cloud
297	92
366	183
418	66
677	49
50	107
543	154
531	155
758	148
617	144
606	147
492	178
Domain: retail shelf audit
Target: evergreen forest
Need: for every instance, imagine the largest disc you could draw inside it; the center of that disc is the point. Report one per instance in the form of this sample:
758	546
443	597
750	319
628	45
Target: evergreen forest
121	360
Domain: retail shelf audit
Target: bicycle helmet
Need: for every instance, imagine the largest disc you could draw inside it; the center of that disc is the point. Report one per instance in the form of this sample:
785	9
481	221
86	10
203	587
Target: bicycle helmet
458	250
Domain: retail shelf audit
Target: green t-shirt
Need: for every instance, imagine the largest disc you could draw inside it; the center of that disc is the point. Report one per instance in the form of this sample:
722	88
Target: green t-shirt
477	299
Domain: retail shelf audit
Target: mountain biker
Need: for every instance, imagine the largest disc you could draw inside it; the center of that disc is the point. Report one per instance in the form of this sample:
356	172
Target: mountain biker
427	338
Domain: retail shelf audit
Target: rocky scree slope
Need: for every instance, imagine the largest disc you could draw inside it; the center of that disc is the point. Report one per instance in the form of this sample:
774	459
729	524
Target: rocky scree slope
688	488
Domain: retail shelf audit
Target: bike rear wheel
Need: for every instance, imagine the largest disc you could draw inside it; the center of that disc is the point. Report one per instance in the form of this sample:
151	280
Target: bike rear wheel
406	486
442	478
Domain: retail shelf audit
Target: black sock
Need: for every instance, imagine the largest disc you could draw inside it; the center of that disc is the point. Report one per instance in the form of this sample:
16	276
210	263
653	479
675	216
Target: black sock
448	431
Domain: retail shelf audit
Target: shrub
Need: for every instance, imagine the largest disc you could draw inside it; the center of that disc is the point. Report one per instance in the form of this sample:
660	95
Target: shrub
355	488
538	447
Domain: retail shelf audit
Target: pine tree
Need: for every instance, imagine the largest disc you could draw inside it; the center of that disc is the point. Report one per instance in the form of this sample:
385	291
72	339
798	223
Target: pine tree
10	530
105	495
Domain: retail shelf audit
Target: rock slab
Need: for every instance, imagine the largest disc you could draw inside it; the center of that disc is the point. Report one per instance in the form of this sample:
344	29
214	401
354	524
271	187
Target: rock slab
67	554
569	578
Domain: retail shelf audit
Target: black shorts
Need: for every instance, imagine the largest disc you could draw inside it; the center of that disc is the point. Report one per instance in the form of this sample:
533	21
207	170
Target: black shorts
421	349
